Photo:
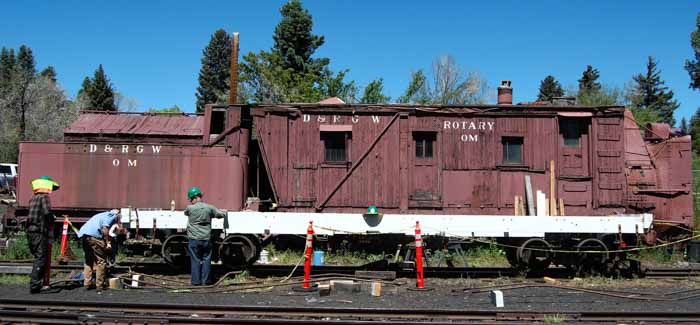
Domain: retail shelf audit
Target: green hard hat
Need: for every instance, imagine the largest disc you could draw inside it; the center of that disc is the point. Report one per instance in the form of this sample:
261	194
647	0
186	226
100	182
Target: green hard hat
194	191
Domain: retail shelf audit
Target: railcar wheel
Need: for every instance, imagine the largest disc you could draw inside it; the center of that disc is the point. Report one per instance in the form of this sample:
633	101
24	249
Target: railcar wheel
239	250
174	251
590	262
535	254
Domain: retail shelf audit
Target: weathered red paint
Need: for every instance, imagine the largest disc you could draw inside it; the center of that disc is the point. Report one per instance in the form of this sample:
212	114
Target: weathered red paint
466	174
611	168
144	161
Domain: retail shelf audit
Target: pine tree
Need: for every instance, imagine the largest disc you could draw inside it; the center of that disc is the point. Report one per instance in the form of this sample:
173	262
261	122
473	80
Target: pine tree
294	42
588	82
684	125
289	72
85	88
25	61
694	131
549	88
98	91
693	66
215	74
49	72
650	93
7	65
373	93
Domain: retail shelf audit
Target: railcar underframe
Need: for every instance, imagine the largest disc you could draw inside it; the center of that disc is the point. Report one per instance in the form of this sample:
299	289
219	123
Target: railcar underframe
531	242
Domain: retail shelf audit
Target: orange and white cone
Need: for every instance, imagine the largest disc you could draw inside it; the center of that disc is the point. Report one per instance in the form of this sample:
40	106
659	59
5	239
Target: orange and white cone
420	284
64	236
306	285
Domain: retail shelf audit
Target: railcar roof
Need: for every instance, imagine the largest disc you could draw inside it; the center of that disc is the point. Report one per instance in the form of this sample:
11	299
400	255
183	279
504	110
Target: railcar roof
150	124
537	107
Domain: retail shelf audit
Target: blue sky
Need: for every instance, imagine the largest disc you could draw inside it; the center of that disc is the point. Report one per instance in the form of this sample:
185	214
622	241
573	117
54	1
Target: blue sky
151	50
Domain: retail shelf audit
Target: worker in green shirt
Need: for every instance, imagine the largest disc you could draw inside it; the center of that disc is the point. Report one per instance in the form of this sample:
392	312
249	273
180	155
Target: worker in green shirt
199	215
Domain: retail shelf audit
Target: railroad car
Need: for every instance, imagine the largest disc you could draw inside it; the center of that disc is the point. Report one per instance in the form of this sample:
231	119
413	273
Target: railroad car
540	178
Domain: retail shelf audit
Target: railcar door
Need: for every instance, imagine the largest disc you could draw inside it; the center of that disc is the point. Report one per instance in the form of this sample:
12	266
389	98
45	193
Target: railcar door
574	167
424	177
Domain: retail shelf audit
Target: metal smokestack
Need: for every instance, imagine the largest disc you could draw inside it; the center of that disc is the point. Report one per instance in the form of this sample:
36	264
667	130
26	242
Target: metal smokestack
505	93
233	91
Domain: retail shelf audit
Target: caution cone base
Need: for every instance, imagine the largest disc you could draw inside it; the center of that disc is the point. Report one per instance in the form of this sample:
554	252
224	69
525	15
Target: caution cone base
420	289
311	288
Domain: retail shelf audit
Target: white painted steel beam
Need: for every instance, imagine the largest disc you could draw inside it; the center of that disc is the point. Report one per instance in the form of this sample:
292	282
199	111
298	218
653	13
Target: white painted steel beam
448	225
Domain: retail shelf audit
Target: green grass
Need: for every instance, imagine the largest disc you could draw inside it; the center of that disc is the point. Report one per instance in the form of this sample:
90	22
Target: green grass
17	248
283	257
696	190
6	279
239	278
480	256
554	319
660	256
340	257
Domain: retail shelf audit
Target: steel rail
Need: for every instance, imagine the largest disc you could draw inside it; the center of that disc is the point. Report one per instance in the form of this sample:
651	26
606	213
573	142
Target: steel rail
70	312
435	272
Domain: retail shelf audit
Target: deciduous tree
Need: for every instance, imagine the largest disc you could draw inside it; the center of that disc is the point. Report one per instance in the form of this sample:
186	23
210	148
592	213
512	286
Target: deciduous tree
373	93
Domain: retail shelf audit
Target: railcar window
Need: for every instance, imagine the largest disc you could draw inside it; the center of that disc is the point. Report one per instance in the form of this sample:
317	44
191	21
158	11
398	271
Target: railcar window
571	130
218	122
512	150
335	144
424	142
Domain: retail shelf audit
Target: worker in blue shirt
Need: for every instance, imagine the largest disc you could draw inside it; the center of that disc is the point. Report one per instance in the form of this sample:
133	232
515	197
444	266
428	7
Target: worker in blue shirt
97	247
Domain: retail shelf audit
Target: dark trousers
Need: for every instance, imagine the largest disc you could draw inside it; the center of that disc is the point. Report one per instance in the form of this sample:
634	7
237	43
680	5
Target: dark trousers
39	247
200	259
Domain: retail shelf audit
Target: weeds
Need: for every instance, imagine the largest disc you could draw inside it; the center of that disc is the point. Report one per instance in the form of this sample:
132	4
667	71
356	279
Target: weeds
480	256
6	279
554	319
660	256
239	278
17	248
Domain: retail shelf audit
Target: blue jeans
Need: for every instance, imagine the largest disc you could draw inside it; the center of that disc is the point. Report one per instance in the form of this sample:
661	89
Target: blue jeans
200	259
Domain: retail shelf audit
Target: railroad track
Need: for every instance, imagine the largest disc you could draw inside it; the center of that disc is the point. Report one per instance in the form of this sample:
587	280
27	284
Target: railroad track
82	312
154	267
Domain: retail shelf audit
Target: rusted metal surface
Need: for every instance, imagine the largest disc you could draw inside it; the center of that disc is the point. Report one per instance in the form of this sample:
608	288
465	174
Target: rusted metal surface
179	128
596	170
149	179
402	158
140	160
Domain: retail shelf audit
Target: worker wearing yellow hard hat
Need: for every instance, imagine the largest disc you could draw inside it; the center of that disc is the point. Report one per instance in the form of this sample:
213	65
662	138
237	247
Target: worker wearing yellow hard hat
44	184
38	222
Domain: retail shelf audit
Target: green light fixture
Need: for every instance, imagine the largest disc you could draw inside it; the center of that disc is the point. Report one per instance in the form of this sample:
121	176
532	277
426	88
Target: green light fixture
372	209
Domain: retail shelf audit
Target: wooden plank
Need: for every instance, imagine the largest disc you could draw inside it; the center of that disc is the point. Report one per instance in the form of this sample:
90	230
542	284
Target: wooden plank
562	212
528	194
552	190
541	204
